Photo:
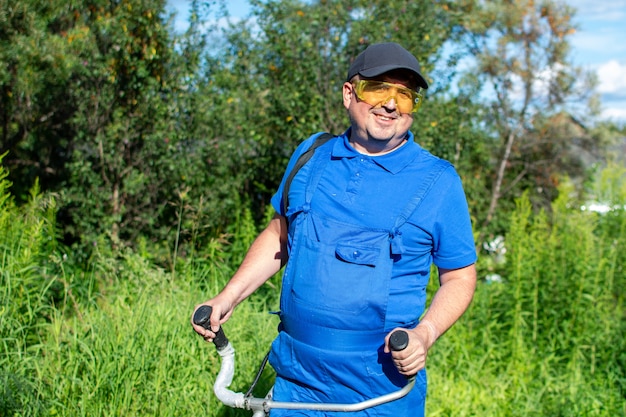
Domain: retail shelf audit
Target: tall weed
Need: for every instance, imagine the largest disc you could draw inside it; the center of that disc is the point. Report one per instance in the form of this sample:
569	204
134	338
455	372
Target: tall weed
548	339
28	291
133	352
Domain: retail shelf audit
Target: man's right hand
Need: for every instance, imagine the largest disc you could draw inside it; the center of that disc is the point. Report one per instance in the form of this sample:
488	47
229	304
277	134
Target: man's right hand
222	310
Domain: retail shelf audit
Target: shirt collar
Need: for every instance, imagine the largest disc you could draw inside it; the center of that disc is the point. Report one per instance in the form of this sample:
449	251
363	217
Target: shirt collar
393	161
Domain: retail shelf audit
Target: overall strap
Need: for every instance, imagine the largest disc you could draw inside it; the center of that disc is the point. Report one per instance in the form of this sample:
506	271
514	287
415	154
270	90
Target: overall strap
302	160
395	236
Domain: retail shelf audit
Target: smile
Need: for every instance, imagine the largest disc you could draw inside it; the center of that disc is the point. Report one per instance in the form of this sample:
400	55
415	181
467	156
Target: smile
384	117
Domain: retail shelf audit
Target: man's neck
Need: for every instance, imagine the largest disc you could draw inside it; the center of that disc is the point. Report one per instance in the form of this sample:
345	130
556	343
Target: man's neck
376	147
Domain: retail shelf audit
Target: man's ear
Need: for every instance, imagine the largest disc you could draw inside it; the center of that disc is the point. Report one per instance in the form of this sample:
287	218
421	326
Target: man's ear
348	94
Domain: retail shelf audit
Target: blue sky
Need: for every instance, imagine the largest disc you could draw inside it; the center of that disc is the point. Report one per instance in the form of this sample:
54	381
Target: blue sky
599	45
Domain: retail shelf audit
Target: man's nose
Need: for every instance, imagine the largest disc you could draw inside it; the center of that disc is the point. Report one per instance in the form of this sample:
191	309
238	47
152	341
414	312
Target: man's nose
390	103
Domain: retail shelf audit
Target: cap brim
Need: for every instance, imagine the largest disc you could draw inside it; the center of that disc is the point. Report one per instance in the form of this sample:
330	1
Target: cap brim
374	72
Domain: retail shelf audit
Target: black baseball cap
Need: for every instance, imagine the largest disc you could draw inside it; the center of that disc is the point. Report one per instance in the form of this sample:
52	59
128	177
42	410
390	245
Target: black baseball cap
379	58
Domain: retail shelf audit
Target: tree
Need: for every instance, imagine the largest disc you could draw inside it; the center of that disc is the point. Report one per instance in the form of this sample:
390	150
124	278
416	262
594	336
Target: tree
144	131
532	94
38	60
98	101
121	120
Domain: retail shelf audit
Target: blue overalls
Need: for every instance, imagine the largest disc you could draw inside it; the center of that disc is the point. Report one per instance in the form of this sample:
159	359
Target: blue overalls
334	300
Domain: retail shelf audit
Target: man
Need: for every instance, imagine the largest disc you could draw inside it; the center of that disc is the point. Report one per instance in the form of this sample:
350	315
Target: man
367	216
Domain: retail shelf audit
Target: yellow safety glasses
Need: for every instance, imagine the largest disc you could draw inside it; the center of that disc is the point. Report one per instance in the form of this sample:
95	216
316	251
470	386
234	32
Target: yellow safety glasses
377	93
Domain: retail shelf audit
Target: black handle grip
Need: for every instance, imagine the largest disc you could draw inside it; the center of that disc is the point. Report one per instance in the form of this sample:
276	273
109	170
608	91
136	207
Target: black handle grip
201	318
398	340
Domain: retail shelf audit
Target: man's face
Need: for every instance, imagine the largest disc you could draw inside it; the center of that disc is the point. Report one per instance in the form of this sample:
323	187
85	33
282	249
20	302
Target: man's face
381	122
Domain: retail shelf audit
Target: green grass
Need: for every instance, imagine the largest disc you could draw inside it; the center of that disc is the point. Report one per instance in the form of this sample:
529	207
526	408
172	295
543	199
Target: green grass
115	339
132	351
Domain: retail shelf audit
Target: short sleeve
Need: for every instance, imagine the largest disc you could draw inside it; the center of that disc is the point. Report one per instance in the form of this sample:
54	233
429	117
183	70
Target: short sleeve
453	239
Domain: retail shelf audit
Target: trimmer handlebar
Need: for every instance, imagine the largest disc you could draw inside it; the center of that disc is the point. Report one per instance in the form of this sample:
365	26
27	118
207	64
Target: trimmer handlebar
398	340
201	318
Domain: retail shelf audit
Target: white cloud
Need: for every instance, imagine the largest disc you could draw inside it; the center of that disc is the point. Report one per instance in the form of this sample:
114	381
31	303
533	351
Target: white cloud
616	114
612	78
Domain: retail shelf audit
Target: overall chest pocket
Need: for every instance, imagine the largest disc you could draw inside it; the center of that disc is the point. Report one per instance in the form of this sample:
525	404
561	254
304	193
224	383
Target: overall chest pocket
341	277
358	255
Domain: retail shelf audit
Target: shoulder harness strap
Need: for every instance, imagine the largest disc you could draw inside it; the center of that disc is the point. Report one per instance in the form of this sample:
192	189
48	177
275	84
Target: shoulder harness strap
302	160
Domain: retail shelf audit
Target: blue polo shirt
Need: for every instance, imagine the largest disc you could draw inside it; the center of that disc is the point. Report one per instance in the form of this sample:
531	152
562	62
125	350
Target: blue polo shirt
372	191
